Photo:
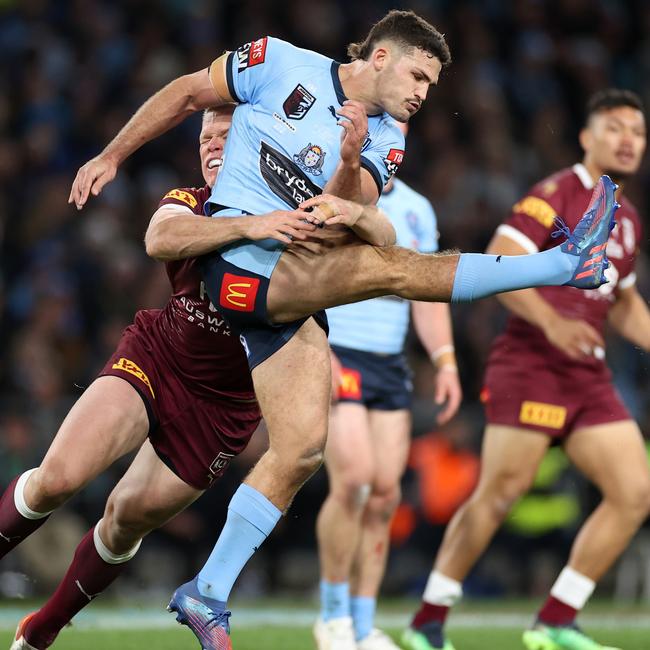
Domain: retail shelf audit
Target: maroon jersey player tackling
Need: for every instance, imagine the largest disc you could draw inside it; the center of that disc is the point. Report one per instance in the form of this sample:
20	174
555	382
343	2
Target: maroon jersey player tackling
178	387
547	378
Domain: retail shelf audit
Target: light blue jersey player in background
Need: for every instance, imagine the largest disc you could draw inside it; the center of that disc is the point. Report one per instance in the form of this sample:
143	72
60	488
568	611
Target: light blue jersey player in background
390	72
369	435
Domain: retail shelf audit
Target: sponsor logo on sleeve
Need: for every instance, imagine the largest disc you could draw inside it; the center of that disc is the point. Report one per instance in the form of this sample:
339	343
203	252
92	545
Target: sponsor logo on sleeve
182	196
284	177
536	208
298	103
393	160
251	54
125	365
311	159
238	292
542	415
350	386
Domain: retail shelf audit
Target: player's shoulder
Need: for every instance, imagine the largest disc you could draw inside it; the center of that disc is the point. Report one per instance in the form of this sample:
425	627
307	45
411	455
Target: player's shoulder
408	195
561	182
192	197
277	51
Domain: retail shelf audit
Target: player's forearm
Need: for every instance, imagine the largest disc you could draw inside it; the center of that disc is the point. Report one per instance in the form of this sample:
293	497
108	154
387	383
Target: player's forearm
630	317
375	227
432	324
529	305
162	111
346	182
185	235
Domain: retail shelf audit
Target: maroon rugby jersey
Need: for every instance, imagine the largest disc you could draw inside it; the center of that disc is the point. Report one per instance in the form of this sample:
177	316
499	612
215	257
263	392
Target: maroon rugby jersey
566	194
189	332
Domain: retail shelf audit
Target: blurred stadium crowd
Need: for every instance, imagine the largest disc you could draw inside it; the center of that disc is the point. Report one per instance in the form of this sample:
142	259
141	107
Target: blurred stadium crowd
505	114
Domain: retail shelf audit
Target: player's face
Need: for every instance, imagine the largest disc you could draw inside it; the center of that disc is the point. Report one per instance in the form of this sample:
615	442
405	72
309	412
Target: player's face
212	141
615	140
404	82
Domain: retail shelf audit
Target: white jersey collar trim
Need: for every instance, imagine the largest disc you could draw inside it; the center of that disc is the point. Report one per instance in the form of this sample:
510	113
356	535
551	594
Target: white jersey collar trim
585	177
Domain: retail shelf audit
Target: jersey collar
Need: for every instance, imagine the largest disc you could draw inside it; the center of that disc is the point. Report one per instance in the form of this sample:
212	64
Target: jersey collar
336	82
585	177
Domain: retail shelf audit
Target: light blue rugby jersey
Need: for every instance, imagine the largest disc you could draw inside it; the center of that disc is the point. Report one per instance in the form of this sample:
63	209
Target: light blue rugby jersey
284	142
380	325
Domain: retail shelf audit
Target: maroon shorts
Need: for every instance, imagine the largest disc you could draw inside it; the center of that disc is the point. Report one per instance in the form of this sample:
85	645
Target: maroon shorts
195	437
555	404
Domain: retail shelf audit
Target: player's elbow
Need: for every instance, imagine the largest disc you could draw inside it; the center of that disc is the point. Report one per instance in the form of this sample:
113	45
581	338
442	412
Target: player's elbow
157	245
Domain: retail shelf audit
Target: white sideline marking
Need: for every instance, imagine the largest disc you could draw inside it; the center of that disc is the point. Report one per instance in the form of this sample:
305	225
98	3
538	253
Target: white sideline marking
133	618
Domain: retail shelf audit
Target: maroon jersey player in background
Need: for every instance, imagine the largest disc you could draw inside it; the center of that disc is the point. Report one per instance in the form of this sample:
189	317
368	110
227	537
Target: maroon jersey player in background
178	387
547	379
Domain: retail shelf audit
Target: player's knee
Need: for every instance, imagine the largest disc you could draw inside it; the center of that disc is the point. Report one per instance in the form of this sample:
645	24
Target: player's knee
308	462
353	492
384	501
125	521
634	499
502	494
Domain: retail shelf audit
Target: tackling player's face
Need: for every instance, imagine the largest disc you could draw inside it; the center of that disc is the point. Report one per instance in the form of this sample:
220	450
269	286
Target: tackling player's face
614	140
212	141
404	81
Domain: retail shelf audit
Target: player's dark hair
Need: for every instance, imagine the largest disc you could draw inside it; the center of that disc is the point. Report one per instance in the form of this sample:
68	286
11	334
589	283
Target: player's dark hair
407	29
608	98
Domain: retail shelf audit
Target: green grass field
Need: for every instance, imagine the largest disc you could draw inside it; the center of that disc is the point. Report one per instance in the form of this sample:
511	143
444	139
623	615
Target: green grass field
286	626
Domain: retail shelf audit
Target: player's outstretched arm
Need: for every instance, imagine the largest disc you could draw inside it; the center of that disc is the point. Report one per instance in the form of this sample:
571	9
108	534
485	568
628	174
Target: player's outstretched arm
576	338
176	233
432	323
369	222
630	317
162	111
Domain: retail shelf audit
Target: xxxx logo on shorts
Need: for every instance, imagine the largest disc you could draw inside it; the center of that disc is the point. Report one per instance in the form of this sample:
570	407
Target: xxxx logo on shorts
543	415
238	292
135	370
350	386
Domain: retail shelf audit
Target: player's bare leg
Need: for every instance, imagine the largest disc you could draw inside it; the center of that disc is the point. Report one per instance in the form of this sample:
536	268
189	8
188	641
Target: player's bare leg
350	468
613	457
510	458
296	413
390	444
147	496
306	280
107	421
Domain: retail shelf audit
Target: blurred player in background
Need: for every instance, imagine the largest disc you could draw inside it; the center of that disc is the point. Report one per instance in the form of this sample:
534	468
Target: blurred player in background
179	376
286	145
369	435
547	381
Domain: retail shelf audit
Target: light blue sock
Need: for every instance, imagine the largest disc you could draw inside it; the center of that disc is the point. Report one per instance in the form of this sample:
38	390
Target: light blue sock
478	276
334	599
251	518
363	615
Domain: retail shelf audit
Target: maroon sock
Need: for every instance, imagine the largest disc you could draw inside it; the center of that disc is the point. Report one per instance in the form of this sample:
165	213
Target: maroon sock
14	528
87	576
554	612
429	613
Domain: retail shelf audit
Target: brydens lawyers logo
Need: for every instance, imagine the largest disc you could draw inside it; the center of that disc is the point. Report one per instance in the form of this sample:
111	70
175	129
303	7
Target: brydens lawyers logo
393	160
238	292
298	103
251	54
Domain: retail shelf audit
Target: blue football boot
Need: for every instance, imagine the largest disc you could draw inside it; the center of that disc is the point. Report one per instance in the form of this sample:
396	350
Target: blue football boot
589	239
206	617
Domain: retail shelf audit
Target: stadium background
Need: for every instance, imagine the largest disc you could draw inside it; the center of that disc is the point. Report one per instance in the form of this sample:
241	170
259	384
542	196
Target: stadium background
505	114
